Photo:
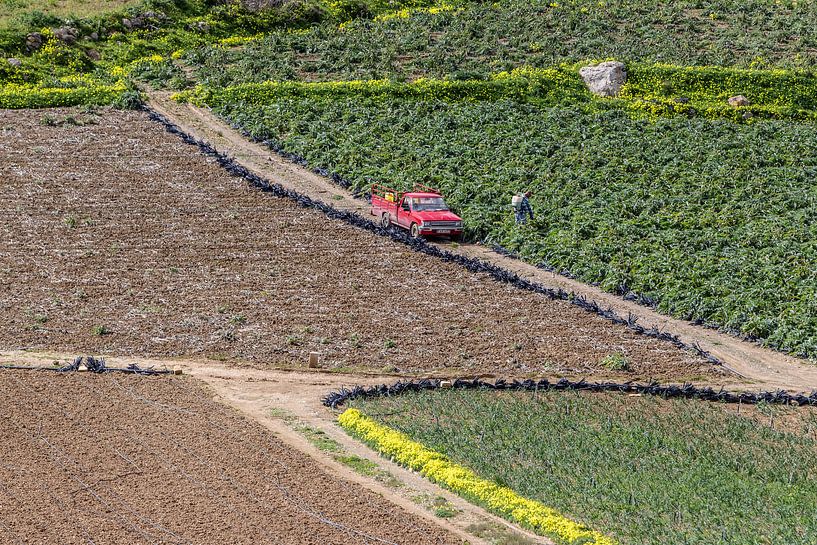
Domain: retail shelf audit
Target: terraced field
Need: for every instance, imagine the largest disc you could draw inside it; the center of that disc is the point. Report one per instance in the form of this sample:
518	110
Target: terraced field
123	459
122	239
472	40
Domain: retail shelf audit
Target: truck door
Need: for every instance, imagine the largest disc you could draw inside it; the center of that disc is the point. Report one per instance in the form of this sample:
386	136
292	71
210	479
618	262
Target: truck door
404	213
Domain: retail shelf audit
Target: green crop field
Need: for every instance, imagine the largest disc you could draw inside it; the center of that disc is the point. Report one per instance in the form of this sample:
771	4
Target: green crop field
20	11
704	210
714	221
477	39
642	470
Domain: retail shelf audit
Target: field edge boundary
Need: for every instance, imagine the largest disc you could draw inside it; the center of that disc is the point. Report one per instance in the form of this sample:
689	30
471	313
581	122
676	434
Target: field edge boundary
498	499
337	398
471	264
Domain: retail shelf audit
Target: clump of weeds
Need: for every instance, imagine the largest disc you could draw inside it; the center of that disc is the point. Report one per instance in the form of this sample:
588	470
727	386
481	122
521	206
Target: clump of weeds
100	330
616	362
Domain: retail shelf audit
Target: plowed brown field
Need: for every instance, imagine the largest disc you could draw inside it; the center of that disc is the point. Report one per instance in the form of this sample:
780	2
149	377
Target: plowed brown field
118	238
107	459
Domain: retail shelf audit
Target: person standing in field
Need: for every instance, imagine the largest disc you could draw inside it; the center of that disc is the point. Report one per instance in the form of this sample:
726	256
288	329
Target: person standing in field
522	208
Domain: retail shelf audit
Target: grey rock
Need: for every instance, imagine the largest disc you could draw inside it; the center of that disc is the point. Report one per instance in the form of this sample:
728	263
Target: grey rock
66	35
201	26
260	5
16	63
738	100
93	54
148	19
94	36
605	79
34	41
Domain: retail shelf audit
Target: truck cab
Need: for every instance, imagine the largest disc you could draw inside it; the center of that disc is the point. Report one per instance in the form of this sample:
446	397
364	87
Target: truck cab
422	212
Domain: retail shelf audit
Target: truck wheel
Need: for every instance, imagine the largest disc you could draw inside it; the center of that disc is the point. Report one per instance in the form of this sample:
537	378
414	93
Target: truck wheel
415	230
385	222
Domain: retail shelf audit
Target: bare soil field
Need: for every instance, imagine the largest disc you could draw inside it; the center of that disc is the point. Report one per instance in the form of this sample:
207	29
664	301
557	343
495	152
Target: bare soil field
121	459
120	239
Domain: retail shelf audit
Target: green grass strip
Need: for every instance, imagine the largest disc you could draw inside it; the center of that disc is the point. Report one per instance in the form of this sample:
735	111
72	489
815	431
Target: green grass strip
652	90
662	89
13	96
498	499
560	84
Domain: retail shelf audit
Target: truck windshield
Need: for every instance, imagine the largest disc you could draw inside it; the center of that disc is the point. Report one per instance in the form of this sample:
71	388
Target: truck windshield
428	203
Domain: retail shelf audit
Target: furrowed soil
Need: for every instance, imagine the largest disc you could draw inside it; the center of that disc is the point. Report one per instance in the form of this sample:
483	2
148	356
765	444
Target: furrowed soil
123	459
120	239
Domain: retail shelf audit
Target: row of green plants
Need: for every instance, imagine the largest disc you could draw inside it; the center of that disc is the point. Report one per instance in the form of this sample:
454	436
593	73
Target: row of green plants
478	39
650	89
645	470
712	221
105	49
14	96
556	85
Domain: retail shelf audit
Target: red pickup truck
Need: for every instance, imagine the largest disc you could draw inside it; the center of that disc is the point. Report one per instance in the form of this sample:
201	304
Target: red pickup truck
422	211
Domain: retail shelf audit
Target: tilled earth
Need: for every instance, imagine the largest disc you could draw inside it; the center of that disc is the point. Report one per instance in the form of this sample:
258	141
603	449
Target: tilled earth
118	238
106	459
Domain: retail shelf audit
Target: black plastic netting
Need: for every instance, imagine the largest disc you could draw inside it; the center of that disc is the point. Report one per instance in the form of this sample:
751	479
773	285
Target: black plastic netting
399	235
781	397
93	365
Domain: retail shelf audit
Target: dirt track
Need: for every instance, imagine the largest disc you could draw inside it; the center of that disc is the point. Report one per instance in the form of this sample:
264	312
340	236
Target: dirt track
753	363
120	239
119	459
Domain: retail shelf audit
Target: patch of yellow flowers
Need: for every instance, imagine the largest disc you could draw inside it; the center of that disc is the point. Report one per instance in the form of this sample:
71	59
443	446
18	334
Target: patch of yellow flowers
235	41
499	499
14	96
125	71
652	90
409	12
556	84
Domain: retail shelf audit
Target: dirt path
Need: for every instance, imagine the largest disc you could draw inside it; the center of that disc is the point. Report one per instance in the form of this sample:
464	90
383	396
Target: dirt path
288	404
754	364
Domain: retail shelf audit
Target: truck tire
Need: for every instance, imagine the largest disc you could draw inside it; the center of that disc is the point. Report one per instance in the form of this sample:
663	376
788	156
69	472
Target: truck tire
414	230
385	222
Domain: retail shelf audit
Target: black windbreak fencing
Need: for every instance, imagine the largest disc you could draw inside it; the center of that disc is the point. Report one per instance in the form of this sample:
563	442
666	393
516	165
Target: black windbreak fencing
622	291
419	245
687	391
93	365
639	298
299	160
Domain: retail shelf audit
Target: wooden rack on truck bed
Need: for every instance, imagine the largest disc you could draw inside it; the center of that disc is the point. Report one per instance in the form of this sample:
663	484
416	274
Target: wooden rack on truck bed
422	211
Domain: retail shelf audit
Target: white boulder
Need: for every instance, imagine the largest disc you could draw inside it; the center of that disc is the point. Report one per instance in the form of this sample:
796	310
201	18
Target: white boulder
605	79
738	100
